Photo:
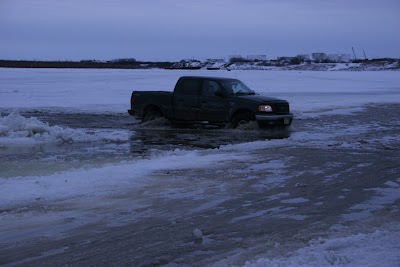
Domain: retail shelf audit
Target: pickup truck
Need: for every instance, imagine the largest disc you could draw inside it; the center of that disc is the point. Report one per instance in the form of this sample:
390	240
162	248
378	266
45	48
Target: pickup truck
210	100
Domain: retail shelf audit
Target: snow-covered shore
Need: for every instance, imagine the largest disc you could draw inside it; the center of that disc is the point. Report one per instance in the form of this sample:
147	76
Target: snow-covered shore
393	65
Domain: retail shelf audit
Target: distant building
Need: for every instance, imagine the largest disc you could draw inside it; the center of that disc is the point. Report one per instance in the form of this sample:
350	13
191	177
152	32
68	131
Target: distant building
344	58
215	60
333	57
285	58
234	57
123	60
319	56
339	57
257	57
303	57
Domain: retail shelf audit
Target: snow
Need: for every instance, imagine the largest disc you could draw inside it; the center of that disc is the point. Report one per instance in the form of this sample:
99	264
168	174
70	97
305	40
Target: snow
392	184
197	233
365	66
379	248
16	130
311	95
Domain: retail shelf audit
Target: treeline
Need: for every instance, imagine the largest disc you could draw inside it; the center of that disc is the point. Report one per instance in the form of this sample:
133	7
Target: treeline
84	64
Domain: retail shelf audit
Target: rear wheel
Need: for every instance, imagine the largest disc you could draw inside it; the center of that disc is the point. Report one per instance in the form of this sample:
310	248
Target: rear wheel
151	115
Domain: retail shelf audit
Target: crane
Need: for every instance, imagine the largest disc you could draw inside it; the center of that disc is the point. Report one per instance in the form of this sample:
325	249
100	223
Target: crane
354	53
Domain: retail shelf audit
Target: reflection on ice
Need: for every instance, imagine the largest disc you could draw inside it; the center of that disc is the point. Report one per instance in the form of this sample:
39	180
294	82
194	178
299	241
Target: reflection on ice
201	137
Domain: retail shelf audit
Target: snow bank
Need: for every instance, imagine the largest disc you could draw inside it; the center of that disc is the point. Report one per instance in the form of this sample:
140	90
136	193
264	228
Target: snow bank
380	248
17	130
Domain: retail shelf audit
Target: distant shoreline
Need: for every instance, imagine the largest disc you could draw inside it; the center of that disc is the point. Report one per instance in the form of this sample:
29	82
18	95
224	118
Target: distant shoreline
84	64
356	65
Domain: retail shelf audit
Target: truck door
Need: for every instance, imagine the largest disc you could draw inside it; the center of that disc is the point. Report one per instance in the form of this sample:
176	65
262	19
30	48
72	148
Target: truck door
213	108
186	99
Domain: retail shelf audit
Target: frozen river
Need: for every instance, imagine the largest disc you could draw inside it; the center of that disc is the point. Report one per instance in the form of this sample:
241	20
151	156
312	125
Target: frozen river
82	183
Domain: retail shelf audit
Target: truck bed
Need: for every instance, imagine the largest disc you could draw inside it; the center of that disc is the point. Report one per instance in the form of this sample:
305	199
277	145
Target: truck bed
140	100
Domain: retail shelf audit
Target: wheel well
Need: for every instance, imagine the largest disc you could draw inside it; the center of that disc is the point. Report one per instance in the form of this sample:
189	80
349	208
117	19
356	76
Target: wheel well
243	111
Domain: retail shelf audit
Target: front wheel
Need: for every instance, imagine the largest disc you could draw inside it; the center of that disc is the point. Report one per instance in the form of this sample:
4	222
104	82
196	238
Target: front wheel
242	119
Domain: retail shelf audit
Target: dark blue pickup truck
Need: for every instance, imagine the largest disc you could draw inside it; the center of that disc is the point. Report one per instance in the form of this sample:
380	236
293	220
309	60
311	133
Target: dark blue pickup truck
210	100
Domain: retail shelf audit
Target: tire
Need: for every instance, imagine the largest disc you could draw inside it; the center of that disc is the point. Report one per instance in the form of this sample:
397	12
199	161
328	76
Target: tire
151	115
241	119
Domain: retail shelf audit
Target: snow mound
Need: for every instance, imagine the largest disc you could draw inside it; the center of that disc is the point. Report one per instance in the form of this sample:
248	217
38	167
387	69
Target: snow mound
197	233
16	130
379	248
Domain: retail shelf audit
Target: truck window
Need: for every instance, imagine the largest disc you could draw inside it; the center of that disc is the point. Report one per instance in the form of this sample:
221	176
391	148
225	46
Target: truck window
210	87
190	87
236	86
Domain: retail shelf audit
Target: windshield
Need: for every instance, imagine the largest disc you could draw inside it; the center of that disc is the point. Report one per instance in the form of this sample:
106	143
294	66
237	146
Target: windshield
237	87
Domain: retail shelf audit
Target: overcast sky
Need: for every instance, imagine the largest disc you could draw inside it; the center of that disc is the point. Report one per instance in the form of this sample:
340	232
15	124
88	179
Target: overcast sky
180	29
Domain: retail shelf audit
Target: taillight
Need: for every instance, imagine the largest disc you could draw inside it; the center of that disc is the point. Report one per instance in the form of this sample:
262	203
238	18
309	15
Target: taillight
132	100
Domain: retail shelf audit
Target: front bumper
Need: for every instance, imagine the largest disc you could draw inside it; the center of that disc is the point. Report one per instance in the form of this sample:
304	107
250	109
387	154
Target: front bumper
285	119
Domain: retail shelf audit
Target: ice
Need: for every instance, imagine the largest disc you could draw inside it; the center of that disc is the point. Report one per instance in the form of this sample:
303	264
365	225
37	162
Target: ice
310	93
274	164
264	213
382	197
278	196
295	200
105	180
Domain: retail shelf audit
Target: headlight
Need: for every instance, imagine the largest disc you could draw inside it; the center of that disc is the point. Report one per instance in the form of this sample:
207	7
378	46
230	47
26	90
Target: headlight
265	108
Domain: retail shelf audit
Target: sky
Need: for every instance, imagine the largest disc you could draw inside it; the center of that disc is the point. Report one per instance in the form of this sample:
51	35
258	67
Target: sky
170	30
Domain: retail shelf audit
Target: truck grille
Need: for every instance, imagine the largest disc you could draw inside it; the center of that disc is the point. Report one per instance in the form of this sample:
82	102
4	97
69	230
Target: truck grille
281	108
